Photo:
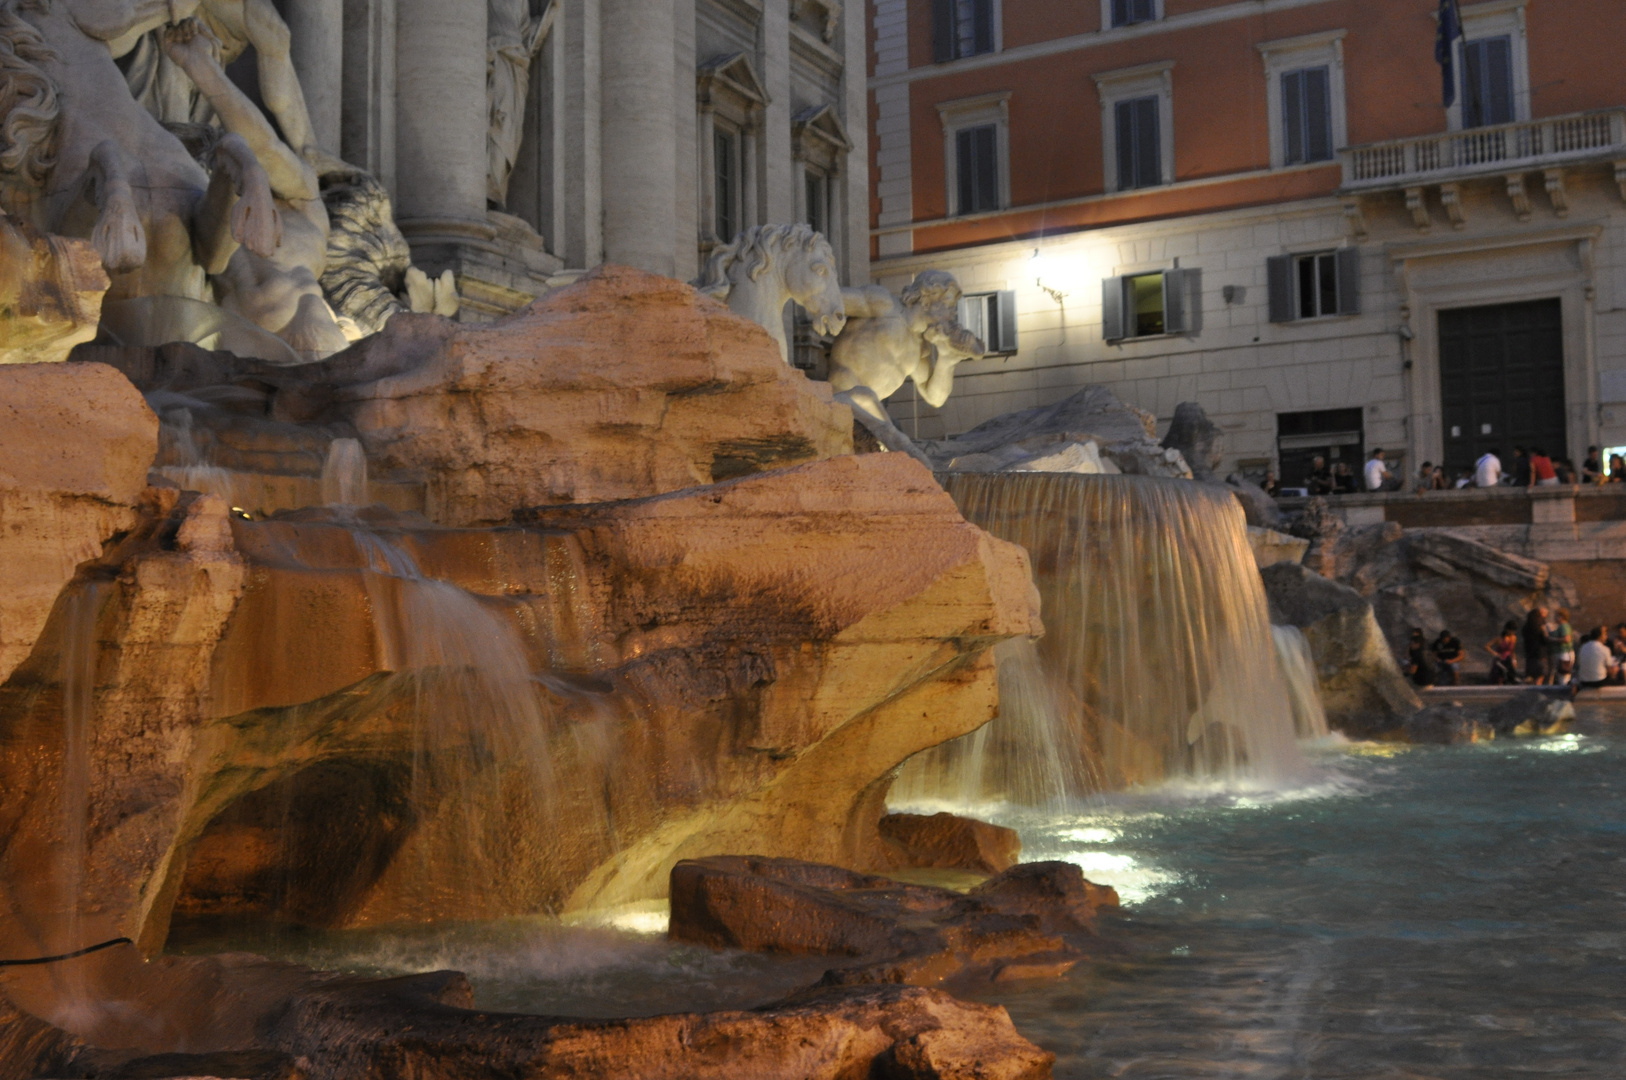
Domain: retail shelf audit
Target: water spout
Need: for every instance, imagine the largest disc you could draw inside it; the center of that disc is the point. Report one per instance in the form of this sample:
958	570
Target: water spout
344	474
1298	667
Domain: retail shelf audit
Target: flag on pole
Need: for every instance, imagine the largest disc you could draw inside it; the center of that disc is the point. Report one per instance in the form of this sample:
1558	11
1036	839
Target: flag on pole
1450	20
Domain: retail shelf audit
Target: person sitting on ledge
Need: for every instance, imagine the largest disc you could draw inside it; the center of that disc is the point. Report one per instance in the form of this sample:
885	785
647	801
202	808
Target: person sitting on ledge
1592	467
1488	469
1617	469
1542	473
1521	467
1595	666
1617	649
1448	655
1319	481
1504	671
1343	481
1377	471
1419	665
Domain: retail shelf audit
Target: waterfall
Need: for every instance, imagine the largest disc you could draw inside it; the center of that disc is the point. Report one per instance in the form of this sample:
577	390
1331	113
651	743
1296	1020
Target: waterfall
1298	667
344	474
1156	632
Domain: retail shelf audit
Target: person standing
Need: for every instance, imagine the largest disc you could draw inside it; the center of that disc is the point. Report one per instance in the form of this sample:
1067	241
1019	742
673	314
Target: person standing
1561	648
1377	471
1488	469
1504	669
1448	655
1535	646
1419	665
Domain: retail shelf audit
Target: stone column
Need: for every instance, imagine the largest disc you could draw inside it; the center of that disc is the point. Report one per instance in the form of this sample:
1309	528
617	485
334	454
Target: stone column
578	179
707	181
441	123
835	213
639	141
316	44
367	119
774	66
851	219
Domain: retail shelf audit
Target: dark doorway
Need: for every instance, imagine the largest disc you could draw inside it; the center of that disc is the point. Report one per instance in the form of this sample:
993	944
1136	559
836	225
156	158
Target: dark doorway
1502	381
1336	435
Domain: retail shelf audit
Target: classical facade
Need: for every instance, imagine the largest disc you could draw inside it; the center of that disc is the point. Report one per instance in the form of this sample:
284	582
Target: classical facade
526	141
1266	208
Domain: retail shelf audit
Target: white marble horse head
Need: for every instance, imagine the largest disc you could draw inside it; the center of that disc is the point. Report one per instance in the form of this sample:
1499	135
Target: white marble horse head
766	265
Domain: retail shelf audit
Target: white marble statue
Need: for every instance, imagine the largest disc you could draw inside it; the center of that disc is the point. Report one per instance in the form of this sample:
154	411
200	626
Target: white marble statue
280	292
513	39
79	157
888	340
766	265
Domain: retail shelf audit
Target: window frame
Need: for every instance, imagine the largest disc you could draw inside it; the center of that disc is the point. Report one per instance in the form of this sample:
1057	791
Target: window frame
725	134
1108	23
1181	318
1288	55
1496	18
816	181
1003	303
963	113
1284	269
942	55
1145	80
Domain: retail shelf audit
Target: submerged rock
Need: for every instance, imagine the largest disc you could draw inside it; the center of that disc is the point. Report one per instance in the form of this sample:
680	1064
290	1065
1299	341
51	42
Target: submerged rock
1446	725
1532	712
949	842
1031	920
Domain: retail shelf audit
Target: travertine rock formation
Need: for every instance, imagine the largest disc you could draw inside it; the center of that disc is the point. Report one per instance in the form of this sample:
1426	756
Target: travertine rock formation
1362	688
75	444
948	842
1032	920
50	293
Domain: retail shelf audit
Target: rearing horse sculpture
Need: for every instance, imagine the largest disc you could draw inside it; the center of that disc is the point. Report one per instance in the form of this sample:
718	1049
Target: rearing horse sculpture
79	157
766	265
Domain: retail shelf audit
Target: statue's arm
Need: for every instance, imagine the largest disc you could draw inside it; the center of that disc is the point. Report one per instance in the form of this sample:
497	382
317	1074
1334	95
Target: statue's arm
279	85
951	343
121	23
867	302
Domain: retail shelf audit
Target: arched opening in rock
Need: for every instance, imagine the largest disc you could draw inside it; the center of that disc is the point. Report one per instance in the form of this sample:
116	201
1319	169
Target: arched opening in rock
303	851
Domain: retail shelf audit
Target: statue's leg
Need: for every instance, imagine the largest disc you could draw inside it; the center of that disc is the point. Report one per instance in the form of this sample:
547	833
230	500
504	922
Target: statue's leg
119	237
237	209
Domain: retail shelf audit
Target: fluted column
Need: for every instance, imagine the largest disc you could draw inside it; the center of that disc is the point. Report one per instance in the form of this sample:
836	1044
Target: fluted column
639	141
441	119
316	44
707	181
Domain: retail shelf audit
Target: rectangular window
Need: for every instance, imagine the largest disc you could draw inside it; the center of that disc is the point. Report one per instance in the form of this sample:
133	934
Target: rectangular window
1140	157
1146	305
992	317
725	157
1314	286
961	28
1306	116
1487	82
817	192
1126	12
976	161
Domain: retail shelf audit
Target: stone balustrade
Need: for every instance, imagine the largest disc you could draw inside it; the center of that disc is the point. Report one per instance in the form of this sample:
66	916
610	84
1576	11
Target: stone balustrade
1453	155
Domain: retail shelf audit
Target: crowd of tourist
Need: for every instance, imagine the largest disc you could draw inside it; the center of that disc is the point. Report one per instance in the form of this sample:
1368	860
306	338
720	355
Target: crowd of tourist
1547	644
1532	467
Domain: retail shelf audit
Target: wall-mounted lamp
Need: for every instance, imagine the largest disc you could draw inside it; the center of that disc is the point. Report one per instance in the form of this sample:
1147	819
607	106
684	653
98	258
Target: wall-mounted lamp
1040	265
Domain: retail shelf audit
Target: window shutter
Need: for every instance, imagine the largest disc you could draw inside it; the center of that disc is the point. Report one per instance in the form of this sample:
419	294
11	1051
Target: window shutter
1317	116
1148	152
1144	10
1112	309
1279	273
965	164
982	26
1349	281
971	309
1498	64
1176	313
1293	117
942	31
987	168
1124	118
1004	311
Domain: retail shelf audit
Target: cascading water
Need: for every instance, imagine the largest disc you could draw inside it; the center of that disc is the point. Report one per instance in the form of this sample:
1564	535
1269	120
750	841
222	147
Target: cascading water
344	474
1298	668
191	472
1157	637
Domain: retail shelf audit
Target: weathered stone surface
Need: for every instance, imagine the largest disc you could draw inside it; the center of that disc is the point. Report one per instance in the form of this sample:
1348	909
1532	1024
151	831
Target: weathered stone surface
50	293
75	445
948	842
1479	559
1124	435
1259	508
1032	918
1271	547
1199	440
1447	725
1361	685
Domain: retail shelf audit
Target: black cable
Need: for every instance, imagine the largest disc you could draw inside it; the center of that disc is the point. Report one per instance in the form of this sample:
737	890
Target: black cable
67	955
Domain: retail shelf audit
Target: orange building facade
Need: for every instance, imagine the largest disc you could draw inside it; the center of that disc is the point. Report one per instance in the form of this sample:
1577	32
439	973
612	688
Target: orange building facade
1264	206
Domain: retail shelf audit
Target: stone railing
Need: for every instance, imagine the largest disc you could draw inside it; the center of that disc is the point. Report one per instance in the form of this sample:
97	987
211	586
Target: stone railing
1534	144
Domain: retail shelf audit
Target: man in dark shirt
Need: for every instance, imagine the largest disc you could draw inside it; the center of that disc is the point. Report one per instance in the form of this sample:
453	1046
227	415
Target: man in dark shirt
1521	467
1320	479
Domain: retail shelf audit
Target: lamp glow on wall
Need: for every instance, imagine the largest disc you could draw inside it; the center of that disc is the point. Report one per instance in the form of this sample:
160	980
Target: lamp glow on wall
1050	274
